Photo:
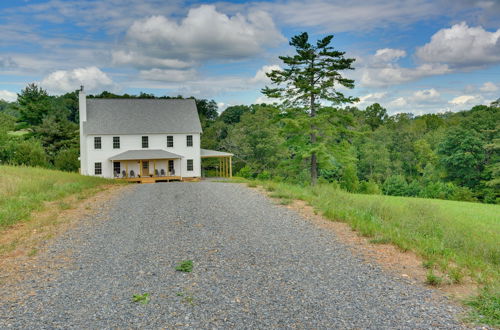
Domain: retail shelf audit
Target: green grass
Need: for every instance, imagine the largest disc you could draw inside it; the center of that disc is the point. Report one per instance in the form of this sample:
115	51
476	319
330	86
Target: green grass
456	238
25	189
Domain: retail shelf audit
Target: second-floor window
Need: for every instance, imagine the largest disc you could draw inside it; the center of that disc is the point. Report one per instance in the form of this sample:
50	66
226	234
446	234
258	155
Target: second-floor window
145	142
116	142
170	141
189	140
97	142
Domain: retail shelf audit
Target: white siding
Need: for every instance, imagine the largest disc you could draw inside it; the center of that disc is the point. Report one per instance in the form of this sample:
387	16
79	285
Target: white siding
134	142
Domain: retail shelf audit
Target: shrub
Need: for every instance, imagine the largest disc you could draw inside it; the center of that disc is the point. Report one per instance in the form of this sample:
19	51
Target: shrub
246	172
264	175
413	189
28	152
67	160
369	187
395	185
349	180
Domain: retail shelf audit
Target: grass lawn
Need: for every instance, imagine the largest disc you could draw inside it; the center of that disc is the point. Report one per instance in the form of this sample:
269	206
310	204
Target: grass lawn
456	239
25	189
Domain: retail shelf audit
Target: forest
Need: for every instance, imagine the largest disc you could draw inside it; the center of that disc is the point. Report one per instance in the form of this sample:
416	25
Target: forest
444	155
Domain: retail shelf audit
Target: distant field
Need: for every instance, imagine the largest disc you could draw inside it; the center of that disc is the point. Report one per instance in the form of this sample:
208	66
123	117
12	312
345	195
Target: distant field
25	189
456	239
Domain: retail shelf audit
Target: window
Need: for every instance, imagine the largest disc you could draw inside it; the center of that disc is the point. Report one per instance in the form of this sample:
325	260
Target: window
189	164
116	142
116	168
97	142
170	165
189	140
98	168
170	141
145	142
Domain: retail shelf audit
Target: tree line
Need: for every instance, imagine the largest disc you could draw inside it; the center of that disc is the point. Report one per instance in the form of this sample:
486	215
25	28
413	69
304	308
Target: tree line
313	135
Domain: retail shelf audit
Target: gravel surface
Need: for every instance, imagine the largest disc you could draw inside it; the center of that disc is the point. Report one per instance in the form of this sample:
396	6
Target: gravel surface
256	265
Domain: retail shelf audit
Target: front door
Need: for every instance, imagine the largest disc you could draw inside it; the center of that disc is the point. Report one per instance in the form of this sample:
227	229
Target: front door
145	168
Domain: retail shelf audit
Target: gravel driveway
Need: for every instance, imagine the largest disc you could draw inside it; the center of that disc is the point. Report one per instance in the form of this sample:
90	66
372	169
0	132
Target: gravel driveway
256	265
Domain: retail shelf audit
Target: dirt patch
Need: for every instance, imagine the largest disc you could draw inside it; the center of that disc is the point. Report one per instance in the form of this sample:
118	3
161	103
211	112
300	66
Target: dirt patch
21	244
404	264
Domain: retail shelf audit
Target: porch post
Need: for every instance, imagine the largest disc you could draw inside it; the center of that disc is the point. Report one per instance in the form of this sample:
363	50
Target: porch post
230	166
140	167
126	169
154	167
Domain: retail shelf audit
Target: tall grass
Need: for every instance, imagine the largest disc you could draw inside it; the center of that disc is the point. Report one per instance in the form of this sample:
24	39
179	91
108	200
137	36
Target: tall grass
458	238
25	189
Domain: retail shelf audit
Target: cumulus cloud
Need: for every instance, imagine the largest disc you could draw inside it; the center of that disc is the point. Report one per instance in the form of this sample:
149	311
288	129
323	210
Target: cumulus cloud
393	74
464	100
488	87
398	102
64	81
462	46
388	55
204	34
426	95
260	76
168	75
368	99
8	95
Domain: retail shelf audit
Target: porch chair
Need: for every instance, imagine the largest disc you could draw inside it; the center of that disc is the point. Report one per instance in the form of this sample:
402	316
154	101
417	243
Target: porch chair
162	171
132	174
117	174
172	172
124	173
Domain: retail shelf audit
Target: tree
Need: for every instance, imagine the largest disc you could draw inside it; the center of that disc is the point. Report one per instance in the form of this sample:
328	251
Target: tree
233	114
463	156
375	115
311	76
34	104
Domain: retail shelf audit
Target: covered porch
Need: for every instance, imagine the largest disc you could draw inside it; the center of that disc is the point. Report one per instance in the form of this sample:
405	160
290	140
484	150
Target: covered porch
147	166
224	168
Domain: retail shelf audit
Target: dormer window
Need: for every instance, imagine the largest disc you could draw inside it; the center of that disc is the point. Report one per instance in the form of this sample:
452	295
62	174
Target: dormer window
145	141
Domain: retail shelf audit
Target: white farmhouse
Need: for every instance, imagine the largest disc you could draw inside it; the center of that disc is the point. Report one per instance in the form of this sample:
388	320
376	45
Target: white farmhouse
143	140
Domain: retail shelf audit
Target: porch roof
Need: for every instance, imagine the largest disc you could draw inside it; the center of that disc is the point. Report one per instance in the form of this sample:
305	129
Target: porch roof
145	154
206	153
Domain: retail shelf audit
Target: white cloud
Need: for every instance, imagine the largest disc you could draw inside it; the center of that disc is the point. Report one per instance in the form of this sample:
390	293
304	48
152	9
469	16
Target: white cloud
204	34
260	76
464	100
398	102
64	81
168	75
393	74
426	95
388	55
370	98
462	46
488	87
339	16
8	95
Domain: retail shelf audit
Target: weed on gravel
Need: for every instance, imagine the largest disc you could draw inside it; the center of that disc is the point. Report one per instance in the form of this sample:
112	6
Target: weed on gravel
185	266
141	298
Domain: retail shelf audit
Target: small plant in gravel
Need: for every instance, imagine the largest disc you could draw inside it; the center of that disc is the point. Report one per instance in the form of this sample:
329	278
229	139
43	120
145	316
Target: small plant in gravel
252	184
33	252
285	202
456	275
185	266
433	279
428	264
141	298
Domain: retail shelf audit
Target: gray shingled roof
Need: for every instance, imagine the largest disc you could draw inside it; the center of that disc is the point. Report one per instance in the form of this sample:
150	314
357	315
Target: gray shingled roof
145	154
213	153
141	116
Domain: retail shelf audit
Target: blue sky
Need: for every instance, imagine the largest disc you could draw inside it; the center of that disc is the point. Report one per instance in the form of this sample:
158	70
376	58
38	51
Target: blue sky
419	56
